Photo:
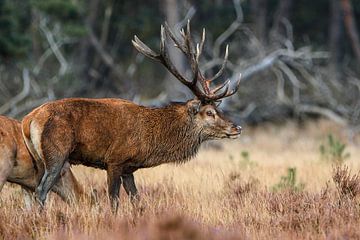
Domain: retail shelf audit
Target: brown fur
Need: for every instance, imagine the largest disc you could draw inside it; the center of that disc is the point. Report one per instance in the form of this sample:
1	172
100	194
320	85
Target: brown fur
120	136
17	165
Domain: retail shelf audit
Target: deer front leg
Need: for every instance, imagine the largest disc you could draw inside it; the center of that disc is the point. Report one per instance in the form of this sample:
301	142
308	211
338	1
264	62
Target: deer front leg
114	183
130	187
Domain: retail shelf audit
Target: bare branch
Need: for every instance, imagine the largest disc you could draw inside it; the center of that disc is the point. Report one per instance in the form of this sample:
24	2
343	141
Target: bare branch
231	29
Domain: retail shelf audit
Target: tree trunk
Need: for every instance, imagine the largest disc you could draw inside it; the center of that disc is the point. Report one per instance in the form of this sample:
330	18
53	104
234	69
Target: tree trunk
86	51
351	29
335	35
173	87
258	12
35	40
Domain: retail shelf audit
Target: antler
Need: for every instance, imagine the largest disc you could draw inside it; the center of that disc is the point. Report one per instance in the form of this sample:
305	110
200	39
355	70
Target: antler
206	95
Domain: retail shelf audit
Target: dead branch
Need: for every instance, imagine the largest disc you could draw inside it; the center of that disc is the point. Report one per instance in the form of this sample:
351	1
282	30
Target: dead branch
45	56
322	111
21	96
104	55
17	111
272	58
54	47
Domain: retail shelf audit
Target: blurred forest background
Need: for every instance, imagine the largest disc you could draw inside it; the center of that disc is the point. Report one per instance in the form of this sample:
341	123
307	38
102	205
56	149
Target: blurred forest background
298	59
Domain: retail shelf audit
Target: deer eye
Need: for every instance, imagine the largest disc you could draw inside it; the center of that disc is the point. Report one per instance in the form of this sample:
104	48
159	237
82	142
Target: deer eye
210	113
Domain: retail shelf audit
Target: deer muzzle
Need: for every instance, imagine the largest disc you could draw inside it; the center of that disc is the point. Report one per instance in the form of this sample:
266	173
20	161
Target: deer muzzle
235	132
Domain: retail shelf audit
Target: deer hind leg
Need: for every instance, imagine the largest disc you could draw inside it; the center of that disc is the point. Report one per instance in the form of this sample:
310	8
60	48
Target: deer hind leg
54	148
54	163
50	177
114	183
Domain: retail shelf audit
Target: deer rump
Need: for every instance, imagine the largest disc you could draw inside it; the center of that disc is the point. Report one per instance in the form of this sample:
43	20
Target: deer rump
17	165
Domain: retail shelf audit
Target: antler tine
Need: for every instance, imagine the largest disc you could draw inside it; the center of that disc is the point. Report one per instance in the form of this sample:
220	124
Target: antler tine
220	72
162	41
200	46
236	87
162	57
221	86
188	39
197	53
202	41
194	57
186	49
144	49
223	94
173	37
226	93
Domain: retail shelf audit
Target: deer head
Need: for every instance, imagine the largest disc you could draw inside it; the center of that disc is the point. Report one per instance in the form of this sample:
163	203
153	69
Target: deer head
203	108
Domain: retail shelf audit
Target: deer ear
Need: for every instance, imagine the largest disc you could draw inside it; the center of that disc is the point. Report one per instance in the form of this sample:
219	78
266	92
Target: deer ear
193	106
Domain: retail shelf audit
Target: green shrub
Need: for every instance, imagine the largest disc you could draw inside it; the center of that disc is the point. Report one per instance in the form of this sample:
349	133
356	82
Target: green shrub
333	150
246	162
289	182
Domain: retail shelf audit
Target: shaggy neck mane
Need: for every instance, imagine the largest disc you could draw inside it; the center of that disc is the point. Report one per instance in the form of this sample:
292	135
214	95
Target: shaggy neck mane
172	136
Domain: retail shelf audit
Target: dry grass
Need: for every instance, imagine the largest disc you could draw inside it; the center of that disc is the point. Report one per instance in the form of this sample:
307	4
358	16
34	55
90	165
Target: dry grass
222	194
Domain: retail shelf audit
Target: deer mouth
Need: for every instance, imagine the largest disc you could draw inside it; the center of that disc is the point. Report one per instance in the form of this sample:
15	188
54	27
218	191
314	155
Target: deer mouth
233	135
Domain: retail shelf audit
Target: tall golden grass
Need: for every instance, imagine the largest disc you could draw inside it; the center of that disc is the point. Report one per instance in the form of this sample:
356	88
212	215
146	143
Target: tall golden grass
225	193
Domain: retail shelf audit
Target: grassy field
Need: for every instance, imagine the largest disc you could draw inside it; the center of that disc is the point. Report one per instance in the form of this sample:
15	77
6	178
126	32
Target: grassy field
271	183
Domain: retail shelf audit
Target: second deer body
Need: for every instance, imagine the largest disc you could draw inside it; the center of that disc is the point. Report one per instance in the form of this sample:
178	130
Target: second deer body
17	165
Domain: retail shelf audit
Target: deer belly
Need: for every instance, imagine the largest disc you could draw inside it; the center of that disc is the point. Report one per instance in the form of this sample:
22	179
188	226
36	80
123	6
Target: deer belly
90	160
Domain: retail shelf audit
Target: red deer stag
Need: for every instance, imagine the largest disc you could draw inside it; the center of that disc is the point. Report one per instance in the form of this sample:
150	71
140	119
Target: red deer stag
17	165
121	136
